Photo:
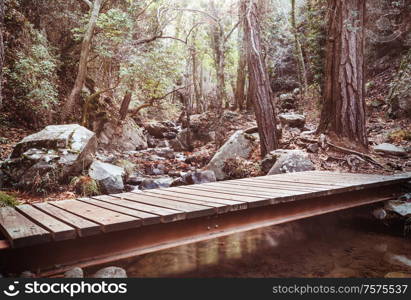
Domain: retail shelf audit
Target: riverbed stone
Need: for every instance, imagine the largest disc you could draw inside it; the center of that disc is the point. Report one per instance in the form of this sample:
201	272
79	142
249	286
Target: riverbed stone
292	120
155	183
240	144
387	148
111	272
74	273
199	176
108	176
289	161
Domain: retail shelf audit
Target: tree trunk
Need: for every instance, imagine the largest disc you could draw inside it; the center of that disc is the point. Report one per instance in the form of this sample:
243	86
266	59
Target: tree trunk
302	73
242	65
343	111
219	62
82	69
260	89
125	105
1	51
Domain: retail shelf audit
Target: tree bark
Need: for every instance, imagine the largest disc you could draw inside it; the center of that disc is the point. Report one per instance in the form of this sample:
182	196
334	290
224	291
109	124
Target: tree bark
343	111
259	80
82	69
125	105
242	65
1	51
302	73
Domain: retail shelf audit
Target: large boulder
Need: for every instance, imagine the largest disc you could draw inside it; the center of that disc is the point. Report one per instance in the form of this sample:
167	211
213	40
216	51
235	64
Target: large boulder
292	120
289	161
240	144
52	155
127	136
387	148
108	176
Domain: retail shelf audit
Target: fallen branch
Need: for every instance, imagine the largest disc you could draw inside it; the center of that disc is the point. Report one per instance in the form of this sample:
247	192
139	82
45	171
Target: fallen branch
349	151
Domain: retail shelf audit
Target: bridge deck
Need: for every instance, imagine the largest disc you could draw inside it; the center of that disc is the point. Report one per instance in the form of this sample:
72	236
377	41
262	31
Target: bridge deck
155	217
44	222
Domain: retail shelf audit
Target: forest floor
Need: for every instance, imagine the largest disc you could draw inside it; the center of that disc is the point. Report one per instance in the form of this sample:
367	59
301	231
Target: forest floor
380	128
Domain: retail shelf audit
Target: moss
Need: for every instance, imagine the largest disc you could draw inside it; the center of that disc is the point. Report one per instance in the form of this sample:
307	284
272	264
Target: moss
7	200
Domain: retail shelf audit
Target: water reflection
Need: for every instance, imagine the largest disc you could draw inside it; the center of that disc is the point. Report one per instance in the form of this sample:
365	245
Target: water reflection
337	245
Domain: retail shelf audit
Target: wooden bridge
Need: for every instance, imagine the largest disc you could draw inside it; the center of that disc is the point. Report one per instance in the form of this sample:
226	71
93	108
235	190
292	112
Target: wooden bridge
51	237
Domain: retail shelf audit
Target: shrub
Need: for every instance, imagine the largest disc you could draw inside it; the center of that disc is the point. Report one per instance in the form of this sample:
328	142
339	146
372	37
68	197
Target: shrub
7	200
85	186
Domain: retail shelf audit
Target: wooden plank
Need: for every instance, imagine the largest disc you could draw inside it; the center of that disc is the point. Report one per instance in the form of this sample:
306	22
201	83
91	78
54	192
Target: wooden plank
227	205
177	198
111	221
19	230
251	191
83	227
59	231
254	200
307	181
191	210
166	215
281	186
146	218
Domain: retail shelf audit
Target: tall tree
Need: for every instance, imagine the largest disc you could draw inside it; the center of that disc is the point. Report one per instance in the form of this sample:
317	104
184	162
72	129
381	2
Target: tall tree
95	7
1	50
343	109
242	64
302	73
258	79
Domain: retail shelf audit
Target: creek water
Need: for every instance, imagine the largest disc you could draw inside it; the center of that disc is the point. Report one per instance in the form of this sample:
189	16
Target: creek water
344	244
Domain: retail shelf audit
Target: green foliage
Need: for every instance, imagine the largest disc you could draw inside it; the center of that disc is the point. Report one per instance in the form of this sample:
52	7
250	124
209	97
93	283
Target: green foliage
31	71
314	28
7	200
85	186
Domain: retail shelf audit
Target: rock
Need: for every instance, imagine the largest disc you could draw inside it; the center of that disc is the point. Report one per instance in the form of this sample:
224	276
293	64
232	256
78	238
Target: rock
397	275
178	182
135	179
289	161
149	183
165	152
51	156
239	144
199	176
130	187
268	162
287	101
27	274
109	177
390	149
180	142
125	137
74	273
111	272
400	207
152	142
313	148
292	120
379	213
156	129
398	260
170	135
3	178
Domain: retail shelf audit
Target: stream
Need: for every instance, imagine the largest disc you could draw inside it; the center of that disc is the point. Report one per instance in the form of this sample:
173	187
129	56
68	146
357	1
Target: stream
343	244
